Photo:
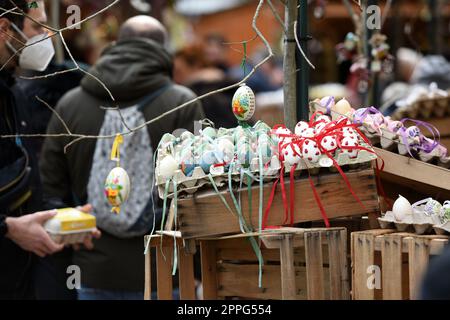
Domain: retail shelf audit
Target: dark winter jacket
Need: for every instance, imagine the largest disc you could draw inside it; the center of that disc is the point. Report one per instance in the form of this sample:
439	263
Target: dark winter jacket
19	192
131	70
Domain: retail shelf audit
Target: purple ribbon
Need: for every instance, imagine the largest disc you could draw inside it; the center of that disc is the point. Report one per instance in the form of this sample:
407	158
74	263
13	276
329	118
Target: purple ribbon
425	144
326	103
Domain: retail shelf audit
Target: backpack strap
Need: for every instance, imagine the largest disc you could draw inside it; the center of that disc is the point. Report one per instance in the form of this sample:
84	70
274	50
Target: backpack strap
152	97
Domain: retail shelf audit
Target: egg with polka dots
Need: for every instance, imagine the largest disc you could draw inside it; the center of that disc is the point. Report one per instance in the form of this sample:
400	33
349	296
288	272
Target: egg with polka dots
310	151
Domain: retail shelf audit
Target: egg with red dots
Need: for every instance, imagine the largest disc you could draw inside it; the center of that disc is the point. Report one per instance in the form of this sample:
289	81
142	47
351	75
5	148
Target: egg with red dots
329	143
310	151
347	145
301	127
292	154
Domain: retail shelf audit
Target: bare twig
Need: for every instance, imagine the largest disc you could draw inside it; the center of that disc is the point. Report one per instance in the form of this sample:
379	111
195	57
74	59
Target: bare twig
80	137
277	15
300	47
56	114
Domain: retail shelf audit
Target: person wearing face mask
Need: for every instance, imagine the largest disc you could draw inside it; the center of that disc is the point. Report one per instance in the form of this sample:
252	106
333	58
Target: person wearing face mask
49	89
22	235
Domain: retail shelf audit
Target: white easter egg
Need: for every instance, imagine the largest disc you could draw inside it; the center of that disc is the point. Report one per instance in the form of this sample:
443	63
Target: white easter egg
168	166
290	156
323	118
117	186
319	127
310	151
301	127
402	208
342	107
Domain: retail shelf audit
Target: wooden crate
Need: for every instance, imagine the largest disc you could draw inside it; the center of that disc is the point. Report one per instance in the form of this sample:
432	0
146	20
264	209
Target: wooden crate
204	214
164	254
298	264
401	257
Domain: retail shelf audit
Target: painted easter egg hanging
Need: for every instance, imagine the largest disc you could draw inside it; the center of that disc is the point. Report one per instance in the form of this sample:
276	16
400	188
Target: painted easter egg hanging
117	184
244	103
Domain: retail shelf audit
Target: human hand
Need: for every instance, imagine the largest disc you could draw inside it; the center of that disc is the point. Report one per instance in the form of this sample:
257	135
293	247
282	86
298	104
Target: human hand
95	234
29	234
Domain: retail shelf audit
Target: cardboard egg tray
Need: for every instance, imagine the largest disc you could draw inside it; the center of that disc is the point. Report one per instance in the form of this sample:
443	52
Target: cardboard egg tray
189	185
425	108
391	141
418	223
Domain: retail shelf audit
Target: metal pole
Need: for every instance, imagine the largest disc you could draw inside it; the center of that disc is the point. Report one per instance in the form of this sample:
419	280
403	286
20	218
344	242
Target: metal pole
289	66
303	73
56	7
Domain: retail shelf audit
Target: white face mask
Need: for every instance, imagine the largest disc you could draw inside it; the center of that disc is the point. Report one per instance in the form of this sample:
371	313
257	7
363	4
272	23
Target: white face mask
37	54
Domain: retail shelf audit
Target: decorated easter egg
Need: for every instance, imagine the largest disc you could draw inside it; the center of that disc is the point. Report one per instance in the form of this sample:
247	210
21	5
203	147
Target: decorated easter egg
209	132
350	142
310	151
327	102
323	118
342	107
283	134
168	138
186	135
402	208
117	188
329	143
168	166
291	157
227	148
244	103
207	160
301	127
394	126
432	207
413	132
446	210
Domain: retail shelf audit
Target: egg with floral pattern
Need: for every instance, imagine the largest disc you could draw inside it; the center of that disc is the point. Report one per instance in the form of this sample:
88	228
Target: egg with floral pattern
117	187
244	103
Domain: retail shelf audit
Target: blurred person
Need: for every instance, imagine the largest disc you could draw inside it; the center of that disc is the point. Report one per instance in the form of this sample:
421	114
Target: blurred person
138	71
49	89
22	235
50	273
192	69
436	282
215	51
268	77
415	72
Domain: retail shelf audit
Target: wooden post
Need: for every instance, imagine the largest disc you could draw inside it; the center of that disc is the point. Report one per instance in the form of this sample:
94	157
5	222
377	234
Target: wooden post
289	67
303	73
56	7
209	269
164	272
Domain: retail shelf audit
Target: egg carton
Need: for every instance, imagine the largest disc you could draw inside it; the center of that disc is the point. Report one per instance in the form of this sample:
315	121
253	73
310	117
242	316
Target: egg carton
393	142
69	238
418	223
199	179
442	229
425	108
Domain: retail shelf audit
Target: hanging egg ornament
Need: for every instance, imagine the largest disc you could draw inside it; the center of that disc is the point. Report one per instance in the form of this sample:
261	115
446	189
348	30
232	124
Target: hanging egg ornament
117	188
117	184
244	103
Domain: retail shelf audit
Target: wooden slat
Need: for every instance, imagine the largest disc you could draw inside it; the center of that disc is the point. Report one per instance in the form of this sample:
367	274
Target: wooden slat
363	256
391	255
209	269
336	253
314	266
288	290
164	273
415	170
419	254
345	272
205	214
186	276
